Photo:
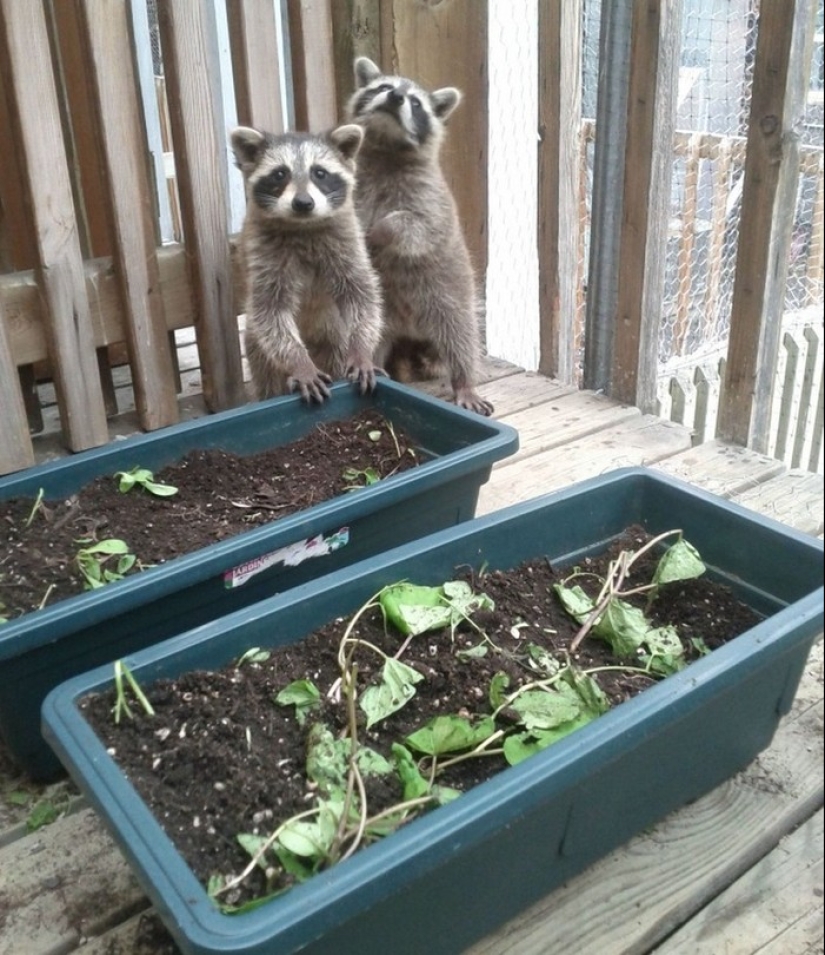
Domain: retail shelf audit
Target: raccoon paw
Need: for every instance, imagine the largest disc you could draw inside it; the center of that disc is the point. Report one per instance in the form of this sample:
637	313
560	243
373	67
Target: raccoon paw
467	398
383	233
311	382
363	374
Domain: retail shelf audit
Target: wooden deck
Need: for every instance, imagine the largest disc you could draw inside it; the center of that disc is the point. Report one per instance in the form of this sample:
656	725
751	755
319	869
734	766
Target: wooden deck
739	871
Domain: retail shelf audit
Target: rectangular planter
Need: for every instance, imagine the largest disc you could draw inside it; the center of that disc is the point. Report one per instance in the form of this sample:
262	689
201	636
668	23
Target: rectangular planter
42	648
456	873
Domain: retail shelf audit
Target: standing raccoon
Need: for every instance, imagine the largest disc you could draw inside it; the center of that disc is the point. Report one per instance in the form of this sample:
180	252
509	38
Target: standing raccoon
313	299
412	226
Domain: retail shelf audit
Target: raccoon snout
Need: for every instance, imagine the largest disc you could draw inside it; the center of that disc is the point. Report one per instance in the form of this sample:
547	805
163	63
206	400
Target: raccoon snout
303	203
395	97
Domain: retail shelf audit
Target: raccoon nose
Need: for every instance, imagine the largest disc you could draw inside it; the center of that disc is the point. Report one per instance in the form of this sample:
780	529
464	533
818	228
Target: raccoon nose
395	97
303	202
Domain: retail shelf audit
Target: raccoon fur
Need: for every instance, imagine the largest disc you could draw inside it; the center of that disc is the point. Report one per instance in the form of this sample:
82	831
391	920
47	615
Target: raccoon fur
313	299
413	231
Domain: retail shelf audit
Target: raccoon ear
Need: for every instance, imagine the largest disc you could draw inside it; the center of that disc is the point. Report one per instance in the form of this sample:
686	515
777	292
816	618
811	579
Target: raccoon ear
247	144
347	139
445	101
365	71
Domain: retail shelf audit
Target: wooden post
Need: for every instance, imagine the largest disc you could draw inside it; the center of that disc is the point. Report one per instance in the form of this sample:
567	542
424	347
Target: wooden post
253	41
113	106
780	74
16	450
189	38
558	221
445	44
313	68
35	126
356	31
654	49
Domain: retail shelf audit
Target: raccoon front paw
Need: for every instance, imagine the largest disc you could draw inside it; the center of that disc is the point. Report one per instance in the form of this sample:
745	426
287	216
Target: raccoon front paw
311	382
383	233
467	398
364	374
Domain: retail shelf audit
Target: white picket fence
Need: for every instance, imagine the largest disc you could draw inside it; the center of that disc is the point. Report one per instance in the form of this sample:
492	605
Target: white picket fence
689	391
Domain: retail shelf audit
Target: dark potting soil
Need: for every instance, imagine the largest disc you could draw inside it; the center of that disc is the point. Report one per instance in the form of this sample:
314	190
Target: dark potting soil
220	757
219	495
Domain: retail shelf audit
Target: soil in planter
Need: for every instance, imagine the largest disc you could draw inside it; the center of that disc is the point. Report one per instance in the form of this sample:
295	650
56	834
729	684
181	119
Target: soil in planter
220	757
219	495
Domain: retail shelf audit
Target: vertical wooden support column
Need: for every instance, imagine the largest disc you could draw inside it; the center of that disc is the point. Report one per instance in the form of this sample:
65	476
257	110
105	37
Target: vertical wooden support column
654	59
15	444
559	224
253	41
313	67
189	39
114	101
35	126
781	71
356	31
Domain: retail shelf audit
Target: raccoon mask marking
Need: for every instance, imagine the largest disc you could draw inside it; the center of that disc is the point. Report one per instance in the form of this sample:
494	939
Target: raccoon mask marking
399	110
297	178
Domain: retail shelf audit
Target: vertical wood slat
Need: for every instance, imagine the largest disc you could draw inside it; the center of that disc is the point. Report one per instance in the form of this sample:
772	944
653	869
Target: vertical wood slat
356	31
16	451
656	28
35	125
189	39
816	255
313	70
768	203
253	42
445	44
81	130
105	38
559	225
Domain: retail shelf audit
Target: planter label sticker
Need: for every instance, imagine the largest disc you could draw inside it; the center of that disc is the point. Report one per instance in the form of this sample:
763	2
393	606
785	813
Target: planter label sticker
289	556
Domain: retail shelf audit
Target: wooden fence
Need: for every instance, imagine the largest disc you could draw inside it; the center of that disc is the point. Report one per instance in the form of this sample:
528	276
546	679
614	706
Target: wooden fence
85	281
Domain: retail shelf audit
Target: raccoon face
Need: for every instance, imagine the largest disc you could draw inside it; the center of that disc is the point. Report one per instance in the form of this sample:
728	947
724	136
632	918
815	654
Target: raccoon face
397	110
297	177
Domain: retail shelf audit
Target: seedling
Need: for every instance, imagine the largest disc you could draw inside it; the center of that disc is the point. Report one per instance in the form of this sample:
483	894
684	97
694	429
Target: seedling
124	675
357	479
92	561
37	506
145	479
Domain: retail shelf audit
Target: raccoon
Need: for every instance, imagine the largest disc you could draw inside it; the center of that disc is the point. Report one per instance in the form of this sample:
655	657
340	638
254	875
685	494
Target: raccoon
413	231
313	299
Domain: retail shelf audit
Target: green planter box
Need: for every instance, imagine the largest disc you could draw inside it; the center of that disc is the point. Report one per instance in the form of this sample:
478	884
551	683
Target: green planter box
455	874
44	647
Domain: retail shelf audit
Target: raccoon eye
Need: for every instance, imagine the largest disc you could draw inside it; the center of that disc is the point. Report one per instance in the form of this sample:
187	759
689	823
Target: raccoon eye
383	87
319	173
415	102
279	174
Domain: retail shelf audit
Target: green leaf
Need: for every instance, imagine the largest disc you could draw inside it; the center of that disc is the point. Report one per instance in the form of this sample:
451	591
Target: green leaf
41	815
520	746
547	709
450	734
681	561
666	653
623	626
588	691
498	690
396	689
575	601
302	694
414	608
415	785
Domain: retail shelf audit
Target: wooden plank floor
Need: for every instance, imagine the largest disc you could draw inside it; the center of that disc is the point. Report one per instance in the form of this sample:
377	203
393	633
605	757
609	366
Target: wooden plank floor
739	871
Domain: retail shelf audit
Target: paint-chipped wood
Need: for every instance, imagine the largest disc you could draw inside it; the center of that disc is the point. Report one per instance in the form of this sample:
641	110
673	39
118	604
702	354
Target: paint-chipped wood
721	468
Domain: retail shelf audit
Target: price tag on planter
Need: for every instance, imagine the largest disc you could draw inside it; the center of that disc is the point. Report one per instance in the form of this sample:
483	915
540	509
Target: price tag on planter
289	556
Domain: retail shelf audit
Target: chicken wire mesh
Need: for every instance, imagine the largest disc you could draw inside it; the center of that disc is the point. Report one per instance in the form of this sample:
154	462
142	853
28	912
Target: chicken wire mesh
713	104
